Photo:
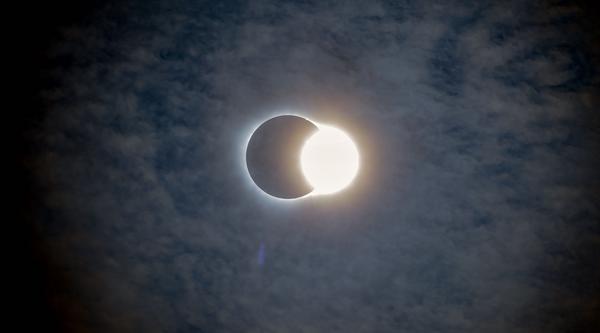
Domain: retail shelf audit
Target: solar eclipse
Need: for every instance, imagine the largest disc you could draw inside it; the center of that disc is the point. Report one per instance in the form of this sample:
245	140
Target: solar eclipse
290	157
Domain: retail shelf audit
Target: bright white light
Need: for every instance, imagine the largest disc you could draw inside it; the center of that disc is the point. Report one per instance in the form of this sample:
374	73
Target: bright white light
329	160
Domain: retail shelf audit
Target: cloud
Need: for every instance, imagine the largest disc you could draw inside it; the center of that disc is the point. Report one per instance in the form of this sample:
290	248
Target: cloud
475	212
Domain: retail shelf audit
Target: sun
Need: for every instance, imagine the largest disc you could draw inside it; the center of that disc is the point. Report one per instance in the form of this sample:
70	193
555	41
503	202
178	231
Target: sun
329	160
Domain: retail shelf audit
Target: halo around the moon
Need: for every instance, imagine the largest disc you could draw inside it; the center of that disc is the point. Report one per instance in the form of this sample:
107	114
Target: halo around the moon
290	157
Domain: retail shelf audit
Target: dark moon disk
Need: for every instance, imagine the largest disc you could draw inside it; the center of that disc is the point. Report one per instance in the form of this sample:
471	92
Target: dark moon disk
273	156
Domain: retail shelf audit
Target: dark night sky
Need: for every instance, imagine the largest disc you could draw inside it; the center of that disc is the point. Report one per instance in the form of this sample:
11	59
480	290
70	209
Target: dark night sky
477	210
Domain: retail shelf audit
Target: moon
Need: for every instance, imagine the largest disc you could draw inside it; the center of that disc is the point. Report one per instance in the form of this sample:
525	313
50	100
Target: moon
291	157
273	156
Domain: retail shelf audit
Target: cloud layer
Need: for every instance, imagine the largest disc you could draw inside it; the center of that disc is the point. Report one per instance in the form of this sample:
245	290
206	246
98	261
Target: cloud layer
476	210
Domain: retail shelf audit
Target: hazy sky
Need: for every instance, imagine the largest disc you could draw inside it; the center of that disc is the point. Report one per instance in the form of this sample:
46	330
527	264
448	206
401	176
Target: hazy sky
477	208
